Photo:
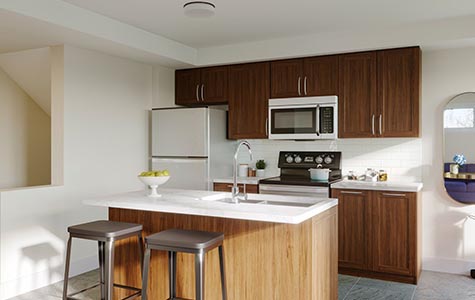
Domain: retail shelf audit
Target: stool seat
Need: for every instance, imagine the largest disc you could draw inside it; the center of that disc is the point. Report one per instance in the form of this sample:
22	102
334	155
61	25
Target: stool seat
190	239
105	229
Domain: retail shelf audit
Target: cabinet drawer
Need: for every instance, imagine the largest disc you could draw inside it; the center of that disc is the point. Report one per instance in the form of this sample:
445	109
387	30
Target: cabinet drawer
226	187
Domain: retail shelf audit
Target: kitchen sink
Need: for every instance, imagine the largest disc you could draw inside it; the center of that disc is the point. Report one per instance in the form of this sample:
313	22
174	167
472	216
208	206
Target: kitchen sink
270	202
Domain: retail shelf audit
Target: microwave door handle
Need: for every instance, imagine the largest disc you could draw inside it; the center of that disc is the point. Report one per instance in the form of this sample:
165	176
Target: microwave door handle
317	126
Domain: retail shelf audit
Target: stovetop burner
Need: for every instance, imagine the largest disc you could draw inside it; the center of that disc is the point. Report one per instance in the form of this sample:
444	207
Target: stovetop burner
294	168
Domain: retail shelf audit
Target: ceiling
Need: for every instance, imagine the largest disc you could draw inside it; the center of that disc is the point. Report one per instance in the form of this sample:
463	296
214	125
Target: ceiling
253	20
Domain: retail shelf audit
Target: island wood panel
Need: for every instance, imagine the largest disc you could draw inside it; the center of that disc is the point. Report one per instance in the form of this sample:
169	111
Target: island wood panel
263	260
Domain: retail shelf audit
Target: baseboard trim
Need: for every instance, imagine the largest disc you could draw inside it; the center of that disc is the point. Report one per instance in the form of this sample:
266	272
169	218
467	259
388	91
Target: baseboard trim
28	283
444	265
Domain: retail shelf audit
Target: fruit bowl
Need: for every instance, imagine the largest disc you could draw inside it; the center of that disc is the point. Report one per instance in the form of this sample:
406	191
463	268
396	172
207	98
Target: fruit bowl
154	182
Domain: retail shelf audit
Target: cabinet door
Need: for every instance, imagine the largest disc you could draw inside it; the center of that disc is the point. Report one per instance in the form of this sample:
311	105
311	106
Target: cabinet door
321	76
187	85
399	91
287	78
248	100
394	232
357	104
354	243
214	85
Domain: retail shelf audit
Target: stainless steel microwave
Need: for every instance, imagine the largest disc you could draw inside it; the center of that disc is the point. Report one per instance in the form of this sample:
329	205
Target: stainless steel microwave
309	118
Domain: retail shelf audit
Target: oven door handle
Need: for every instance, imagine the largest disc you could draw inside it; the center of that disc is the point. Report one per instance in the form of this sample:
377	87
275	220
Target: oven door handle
317	126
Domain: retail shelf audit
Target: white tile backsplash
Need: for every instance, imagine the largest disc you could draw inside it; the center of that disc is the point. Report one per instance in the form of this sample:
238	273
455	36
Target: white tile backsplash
401	157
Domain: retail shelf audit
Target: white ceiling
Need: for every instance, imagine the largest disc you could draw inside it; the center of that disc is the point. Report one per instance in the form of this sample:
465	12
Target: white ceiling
253	20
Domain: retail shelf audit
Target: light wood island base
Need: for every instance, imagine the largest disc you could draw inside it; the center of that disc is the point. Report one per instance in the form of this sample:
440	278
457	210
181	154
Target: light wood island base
264	261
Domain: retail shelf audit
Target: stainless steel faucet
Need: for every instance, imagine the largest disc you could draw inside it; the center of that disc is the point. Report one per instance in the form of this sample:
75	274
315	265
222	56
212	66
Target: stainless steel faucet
235	190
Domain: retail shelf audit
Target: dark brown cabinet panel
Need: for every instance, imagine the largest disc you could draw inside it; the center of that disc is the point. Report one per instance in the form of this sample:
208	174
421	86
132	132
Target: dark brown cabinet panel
226	187
399	92
286	78
320	76
394	232
248	100
187	85
353	228
379	234
357	100
214	85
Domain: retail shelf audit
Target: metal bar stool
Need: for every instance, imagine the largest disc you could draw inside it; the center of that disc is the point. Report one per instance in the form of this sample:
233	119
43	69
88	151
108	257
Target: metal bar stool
106	233
188	241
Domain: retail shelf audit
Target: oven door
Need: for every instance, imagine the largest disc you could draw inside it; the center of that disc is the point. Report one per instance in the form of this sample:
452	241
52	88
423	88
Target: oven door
295	190
299	122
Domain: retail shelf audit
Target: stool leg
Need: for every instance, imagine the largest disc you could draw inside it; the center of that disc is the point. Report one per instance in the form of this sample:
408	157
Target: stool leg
141	252
101	267
109	270
172	273
199	274
223	273
146	266
66	269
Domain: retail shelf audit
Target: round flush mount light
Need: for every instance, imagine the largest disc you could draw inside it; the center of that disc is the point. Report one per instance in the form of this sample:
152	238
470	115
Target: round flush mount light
199	9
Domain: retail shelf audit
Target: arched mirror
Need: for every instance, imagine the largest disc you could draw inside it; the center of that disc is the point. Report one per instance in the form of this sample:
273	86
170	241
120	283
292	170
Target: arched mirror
459	148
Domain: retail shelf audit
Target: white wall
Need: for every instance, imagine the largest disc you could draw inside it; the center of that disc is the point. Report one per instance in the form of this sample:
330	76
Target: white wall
448	235
25	139
163	87
106	103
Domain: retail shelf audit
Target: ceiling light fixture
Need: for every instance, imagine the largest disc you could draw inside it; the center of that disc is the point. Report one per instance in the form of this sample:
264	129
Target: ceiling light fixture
199	9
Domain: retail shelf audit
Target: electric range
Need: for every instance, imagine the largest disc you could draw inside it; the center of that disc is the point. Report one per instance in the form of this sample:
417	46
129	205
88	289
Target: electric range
295	178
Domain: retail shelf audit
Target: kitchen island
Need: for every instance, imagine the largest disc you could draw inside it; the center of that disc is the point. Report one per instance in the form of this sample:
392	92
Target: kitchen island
276	247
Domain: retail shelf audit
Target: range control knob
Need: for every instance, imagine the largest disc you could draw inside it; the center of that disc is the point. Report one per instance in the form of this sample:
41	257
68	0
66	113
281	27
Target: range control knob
289	159
319	160
328	160
298	159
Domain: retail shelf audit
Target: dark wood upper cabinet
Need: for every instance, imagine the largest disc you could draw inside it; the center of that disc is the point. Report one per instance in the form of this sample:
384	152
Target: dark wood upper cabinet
394	232
187	85
286	78
353	229
198	87
249	88
399	92
214	82
357	101
320	76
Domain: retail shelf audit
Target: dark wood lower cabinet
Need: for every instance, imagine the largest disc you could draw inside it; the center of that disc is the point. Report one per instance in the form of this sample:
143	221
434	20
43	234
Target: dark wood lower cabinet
226	187
378	234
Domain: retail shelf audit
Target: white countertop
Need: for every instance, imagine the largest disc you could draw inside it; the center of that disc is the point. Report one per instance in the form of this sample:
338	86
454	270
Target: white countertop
241	180
205	203
379	186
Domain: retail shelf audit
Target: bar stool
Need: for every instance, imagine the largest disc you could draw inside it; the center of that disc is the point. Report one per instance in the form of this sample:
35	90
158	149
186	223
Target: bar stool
106	233
188	241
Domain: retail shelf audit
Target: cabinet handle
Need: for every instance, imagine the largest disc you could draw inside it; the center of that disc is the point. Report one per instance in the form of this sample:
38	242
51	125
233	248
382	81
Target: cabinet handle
352	193
380	124
394	195
372	124
202	92
298	86
197	90
305	85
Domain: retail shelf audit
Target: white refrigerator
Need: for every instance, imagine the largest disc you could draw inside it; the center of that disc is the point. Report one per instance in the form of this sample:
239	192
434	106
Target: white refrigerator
191	143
